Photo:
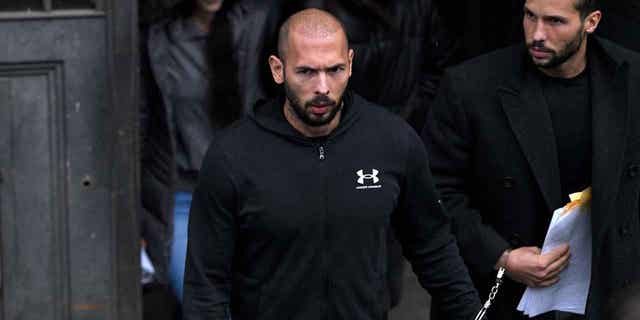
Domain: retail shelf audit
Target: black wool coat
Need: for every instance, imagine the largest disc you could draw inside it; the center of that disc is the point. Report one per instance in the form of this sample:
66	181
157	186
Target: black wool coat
494	161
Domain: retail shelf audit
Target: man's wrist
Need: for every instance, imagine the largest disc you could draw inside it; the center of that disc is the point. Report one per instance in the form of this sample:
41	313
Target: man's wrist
502	262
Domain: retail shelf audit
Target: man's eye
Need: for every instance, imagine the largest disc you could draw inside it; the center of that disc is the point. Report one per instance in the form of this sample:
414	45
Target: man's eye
555	21
336	69
305	72
529	15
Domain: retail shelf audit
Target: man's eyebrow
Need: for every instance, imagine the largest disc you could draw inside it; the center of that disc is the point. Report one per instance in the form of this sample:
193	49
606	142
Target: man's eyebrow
561	18
335	66
303	67
545	17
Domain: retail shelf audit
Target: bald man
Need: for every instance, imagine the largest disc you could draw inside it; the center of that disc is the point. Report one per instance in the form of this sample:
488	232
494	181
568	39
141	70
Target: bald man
292	212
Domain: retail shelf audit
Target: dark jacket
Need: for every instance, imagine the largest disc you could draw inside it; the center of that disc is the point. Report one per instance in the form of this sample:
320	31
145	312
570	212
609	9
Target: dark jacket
494	161
157	130
286	227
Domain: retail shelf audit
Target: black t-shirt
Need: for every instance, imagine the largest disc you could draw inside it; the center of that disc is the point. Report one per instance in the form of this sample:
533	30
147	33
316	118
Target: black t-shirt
569	103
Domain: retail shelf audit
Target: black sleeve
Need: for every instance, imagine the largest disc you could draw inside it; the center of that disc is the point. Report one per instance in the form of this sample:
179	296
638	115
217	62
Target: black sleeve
211	242
448	137
423	229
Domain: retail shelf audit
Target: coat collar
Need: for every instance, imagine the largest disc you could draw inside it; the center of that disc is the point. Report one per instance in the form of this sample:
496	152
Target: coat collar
523	103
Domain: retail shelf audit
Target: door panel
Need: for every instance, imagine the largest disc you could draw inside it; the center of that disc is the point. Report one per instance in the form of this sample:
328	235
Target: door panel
68	234
32	219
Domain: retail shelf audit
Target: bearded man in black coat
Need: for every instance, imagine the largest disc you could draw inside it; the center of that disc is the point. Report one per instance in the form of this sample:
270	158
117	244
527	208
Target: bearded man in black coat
512	133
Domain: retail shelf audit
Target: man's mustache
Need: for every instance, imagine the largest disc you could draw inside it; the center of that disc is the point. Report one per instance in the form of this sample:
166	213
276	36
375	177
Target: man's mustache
539	45
321	100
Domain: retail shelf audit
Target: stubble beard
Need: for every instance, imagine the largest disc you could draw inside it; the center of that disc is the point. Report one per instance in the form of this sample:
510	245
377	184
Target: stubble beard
301	108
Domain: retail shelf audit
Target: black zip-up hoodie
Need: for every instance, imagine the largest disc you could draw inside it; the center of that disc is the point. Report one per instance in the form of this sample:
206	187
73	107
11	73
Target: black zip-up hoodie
287	227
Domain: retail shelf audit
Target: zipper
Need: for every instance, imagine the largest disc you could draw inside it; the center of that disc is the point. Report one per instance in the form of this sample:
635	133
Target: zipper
322	156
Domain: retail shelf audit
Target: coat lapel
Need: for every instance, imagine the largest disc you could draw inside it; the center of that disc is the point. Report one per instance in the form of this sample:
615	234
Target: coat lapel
528	115
610	124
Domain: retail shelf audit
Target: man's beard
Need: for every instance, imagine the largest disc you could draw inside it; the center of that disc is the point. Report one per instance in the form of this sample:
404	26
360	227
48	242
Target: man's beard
301	109
560	57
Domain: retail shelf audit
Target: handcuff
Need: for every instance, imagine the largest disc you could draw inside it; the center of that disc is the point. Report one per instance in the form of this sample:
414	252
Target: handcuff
492	295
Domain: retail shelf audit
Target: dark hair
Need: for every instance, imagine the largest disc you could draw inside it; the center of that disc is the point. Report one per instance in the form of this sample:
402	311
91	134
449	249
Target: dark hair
586	7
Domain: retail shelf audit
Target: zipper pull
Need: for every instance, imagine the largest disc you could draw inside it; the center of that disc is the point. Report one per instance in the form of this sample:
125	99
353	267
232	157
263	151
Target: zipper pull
321	153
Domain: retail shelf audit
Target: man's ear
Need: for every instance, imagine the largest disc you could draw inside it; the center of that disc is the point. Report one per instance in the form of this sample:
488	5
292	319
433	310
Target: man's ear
351	55
592	20
277	69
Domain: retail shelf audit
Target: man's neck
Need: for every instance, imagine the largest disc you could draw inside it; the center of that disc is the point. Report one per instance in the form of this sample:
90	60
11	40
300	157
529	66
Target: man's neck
307	130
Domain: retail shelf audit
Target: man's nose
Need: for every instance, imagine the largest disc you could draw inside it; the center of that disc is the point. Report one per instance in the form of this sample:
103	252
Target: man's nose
322	84
539	33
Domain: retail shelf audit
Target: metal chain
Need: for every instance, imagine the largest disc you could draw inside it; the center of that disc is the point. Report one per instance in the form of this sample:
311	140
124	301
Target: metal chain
492	295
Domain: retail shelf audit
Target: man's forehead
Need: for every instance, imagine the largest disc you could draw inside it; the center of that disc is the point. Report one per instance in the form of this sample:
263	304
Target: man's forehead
318	62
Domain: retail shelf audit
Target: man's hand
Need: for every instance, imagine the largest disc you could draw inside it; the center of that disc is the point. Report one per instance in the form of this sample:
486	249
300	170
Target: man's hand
526	265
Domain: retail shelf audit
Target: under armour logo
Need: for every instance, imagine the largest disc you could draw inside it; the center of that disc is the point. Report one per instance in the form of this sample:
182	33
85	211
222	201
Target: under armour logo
369	176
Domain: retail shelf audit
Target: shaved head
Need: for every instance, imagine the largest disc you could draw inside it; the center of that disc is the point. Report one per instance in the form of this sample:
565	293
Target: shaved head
309	23
316	73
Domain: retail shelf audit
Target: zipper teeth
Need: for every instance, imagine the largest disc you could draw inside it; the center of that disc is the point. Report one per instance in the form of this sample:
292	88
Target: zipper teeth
327	246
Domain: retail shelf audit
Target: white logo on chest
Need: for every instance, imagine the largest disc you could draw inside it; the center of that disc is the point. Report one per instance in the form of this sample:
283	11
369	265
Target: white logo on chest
368	180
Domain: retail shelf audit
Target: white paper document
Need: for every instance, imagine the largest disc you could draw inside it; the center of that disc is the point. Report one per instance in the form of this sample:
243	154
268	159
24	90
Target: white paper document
572	226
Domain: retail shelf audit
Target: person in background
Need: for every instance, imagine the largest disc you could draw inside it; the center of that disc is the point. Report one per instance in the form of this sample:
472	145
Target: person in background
178	121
